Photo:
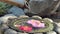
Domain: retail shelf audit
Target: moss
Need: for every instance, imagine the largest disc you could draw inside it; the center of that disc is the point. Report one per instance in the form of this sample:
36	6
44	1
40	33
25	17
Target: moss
4	7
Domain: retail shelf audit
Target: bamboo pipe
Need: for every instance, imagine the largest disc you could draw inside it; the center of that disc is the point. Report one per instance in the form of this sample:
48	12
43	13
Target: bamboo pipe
20	3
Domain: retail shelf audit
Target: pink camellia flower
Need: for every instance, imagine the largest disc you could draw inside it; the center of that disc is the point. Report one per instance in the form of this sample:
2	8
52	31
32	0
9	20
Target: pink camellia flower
24	28
36	23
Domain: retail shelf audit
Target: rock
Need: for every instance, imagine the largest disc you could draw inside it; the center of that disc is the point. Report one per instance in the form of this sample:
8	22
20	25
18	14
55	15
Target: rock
55	0
10	16
57	24
59	8
26	10
4	27
42	5
6	17
51	32
48	20
10	31
16	11
37	17
22	33
1	22
23	16
57	30
38	33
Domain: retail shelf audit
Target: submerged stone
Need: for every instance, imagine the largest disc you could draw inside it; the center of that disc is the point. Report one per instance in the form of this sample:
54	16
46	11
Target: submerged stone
16	11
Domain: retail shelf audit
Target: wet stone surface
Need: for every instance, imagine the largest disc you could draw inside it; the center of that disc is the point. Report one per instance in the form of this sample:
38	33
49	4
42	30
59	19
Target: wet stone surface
16	11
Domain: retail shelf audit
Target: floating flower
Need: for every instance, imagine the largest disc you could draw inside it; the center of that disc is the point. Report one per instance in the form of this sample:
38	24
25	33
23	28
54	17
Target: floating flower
24	28
36	23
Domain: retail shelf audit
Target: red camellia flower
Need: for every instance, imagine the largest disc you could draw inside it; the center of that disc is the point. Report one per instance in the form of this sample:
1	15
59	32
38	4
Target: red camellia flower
25	28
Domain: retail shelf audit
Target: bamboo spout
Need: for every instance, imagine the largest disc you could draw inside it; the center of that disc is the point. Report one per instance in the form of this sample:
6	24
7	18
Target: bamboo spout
19	3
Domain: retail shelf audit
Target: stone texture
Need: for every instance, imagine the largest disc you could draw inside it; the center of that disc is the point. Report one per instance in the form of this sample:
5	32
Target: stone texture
21	33
59	8
51	32
23	16
42	5
4	27
37	17
1	22
57	30
16	11
57	25
6	17
49	19
26	10
10	31
38	33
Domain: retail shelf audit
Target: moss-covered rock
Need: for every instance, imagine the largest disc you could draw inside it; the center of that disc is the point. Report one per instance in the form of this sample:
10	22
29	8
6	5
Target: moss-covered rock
22	21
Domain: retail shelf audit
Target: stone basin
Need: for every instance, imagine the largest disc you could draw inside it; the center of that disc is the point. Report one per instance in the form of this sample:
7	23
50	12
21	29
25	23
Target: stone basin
22	21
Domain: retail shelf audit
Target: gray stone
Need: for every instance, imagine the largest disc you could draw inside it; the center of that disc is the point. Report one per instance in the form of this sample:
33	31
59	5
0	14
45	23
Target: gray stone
42	5
4	27
21	33
37	17
51	32
16	11
38	33
6	17
48	19
26	10
1	22
10	31
57	25
57	30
